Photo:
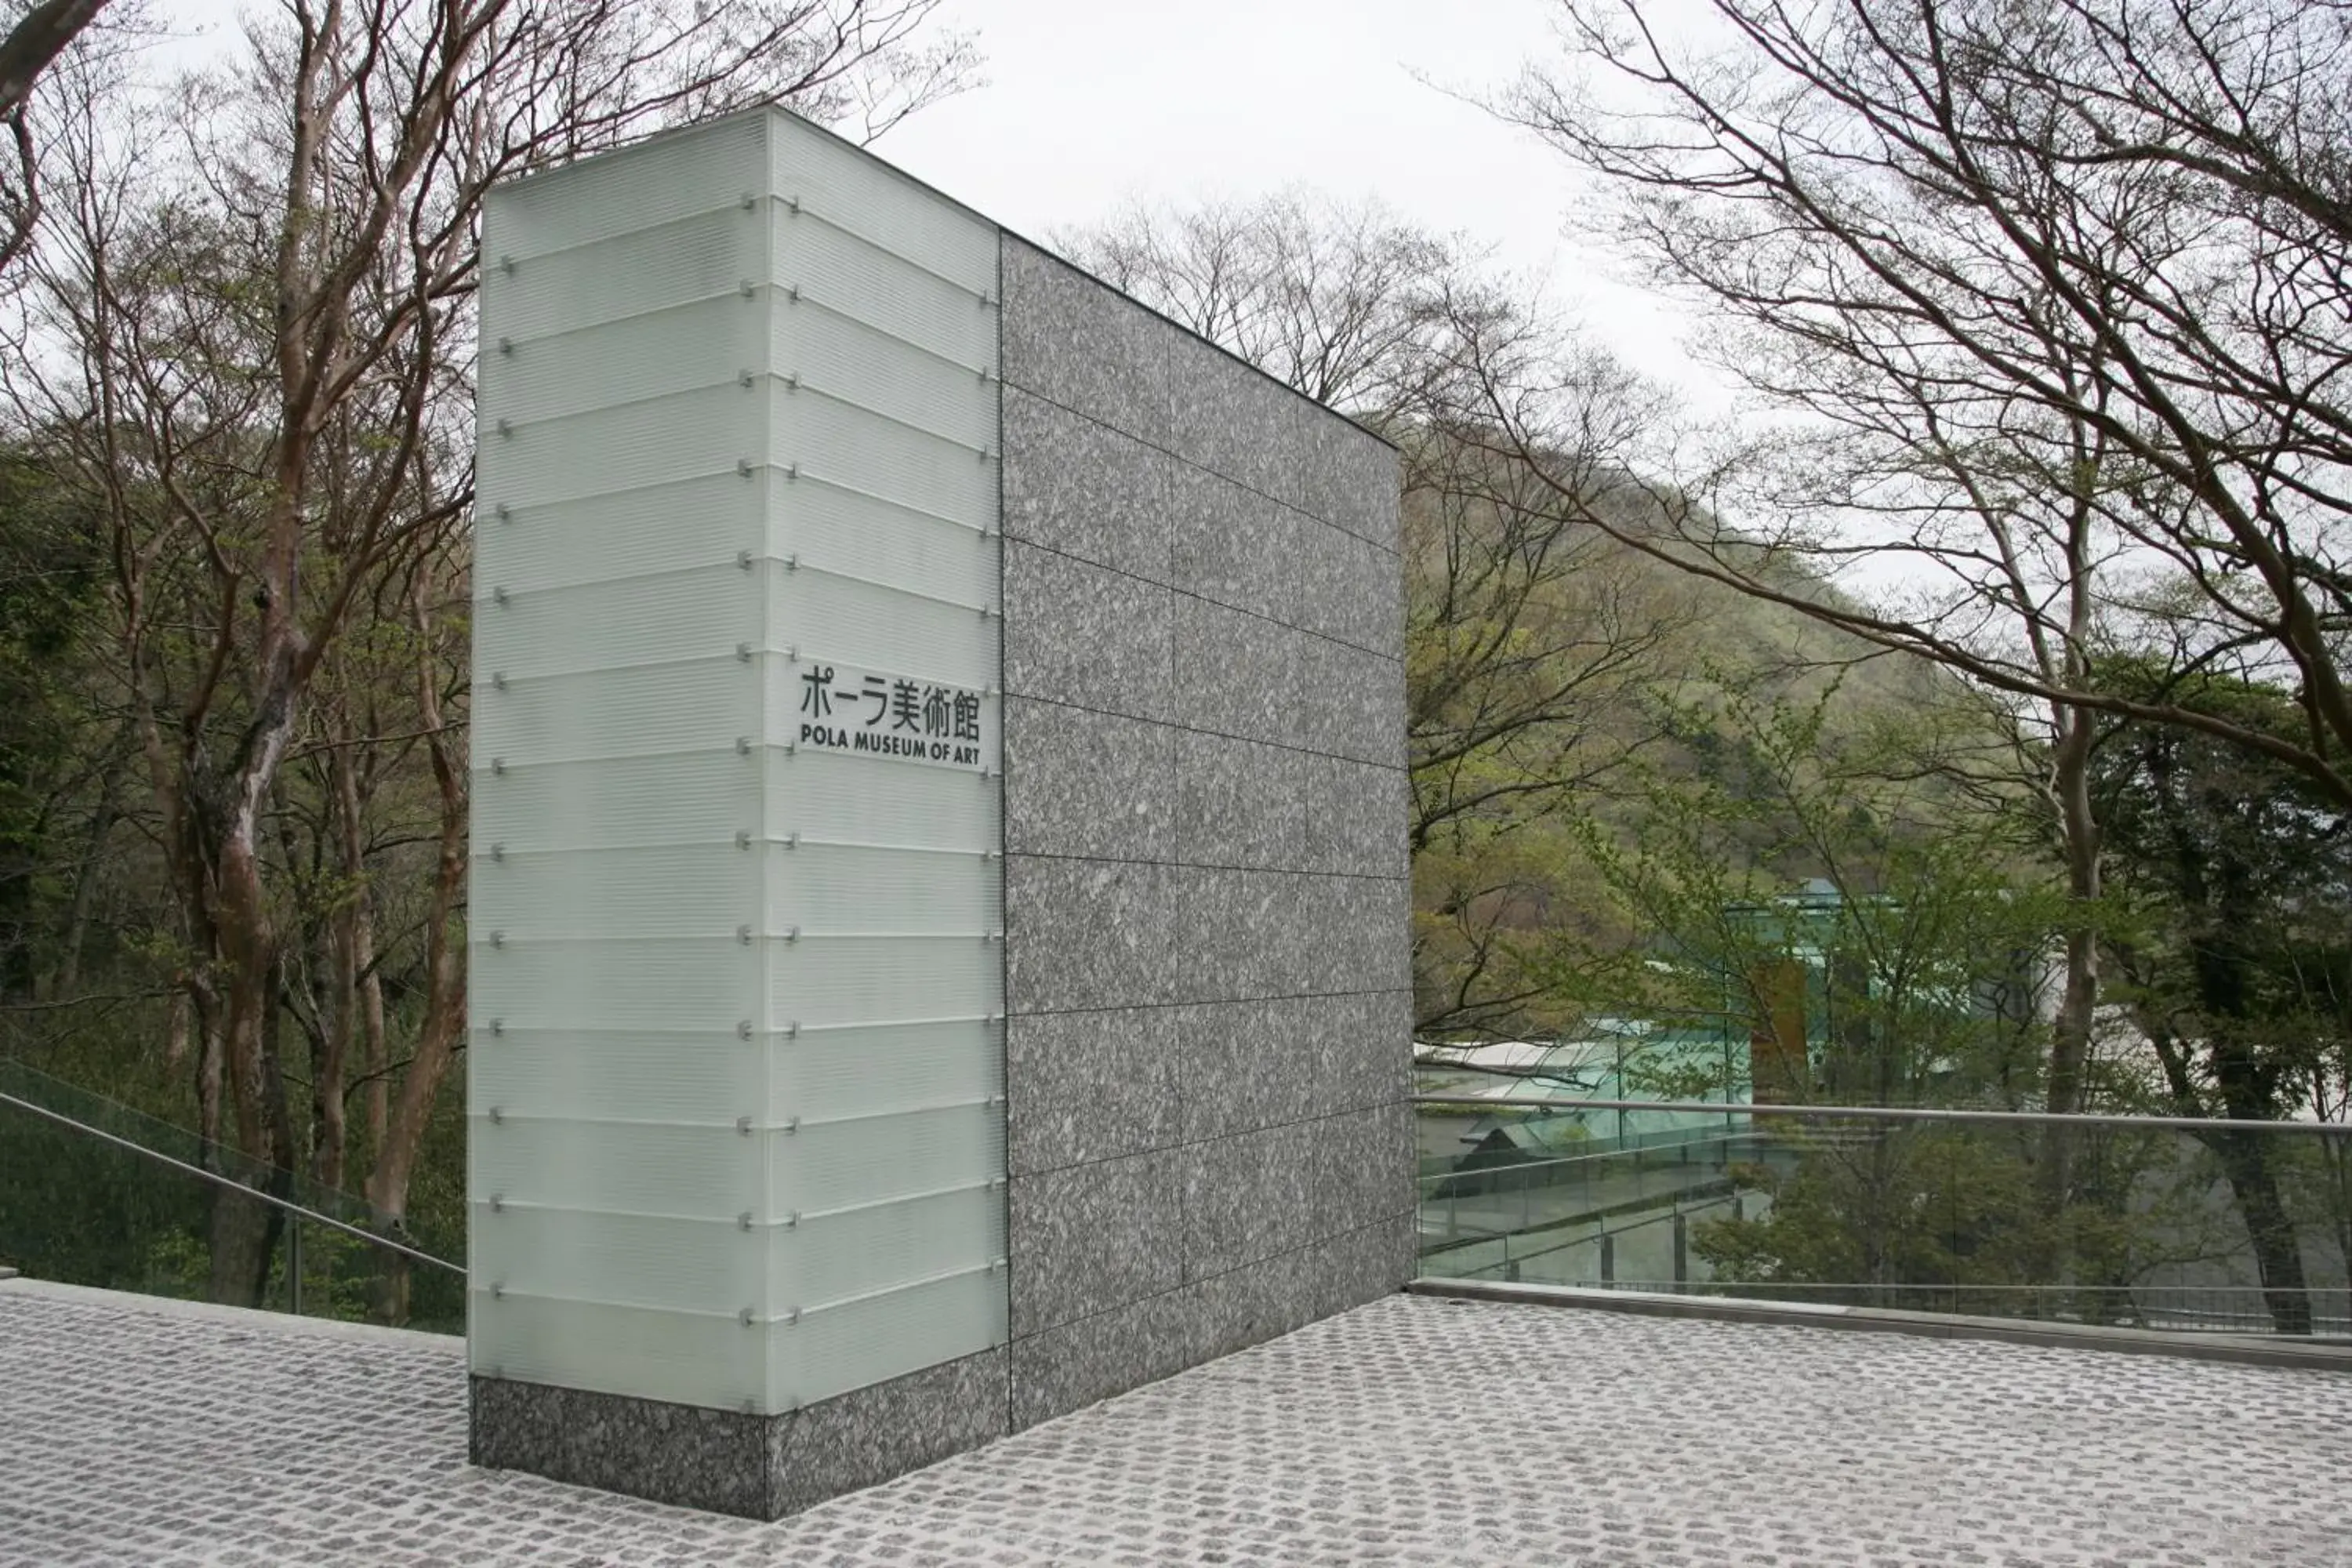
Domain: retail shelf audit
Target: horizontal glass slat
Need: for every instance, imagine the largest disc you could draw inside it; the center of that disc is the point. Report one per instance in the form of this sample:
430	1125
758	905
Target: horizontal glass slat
641	1168
620	1075
632	1260
866	622
710	796
764	889
698	257
836	443
706	521
653	183
831	1352
616	1074
690	986
683	797
850	533
705	613
676	891
821	1074
840	184
839	795
832	1258
645	352
835	351
834	272
686	1359
685	436
838	1164
838	980
848	887
683	707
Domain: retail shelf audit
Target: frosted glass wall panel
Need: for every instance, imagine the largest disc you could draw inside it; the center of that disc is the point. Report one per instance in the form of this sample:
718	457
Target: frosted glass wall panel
860	1161
885	430
859	536
695	612
679	797
825	795
626	712
710	797
824	887
657	183
874	625
615	895
634	985
603	537
841	1345
824	270
630	1260
812	891
831	349
834	438
737	1067
688	436
822	980
713	1359
647	353
871	1068
620	1167
705	256
614	1075
886	1246
824	180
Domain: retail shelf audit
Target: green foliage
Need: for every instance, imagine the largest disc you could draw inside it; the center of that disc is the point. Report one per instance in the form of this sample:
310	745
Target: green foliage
2236	870
48	560
1785	882
1943	1217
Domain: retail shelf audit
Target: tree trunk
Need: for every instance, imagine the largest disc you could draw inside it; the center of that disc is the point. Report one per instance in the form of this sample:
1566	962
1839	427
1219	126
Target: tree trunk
443	1026
2070	1035
39	37
244	1234
330	1132
2069	1029
64	977
2278	1254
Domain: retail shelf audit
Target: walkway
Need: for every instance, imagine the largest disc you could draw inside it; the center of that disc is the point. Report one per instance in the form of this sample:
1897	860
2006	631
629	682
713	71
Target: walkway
1410	1431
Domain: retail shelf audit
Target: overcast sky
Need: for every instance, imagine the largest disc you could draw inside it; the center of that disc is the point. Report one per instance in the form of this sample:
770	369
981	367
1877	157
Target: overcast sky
1093	103
1090	104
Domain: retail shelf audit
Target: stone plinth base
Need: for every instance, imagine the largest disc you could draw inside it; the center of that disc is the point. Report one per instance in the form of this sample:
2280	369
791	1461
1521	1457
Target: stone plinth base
758	1467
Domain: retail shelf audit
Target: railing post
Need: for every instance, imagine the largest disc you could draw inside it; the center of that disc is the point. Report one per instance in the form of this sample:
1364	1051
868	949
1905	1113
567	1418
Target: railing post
1682	1249
1608	1258
294	1266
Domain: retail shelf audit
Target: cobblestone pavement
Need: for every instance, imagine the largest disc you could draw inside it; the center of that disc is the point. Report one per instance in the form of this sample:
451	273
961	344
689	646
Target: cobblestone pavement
1409	1431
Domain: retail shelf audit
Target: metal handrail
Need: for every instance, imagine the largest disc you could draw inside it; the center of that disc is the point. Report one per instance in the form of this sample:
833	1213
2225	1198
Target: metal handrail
1887	1113
215	1177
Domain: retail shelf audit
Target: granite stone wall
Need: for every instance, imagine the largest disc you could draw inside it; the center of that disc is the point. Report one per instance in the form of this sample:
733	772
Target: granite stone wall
1206	926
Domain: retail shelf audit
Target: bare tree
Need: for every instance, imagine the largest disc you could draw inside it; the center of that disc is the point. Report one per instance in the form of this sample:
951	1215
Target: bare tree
2080	248
247	333
2056	297
39	37
1340	301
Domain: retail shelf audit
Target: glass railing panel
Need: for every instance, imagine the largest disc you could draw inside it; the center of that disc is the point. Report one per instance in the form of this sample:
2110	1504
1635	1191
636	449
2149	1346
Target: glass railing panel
92	1192
2182	1226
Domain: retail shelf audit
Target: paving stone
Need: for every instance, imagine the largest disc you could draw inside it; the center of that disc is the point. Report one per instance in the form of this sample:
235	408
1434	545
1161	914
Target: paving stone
1410	1431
